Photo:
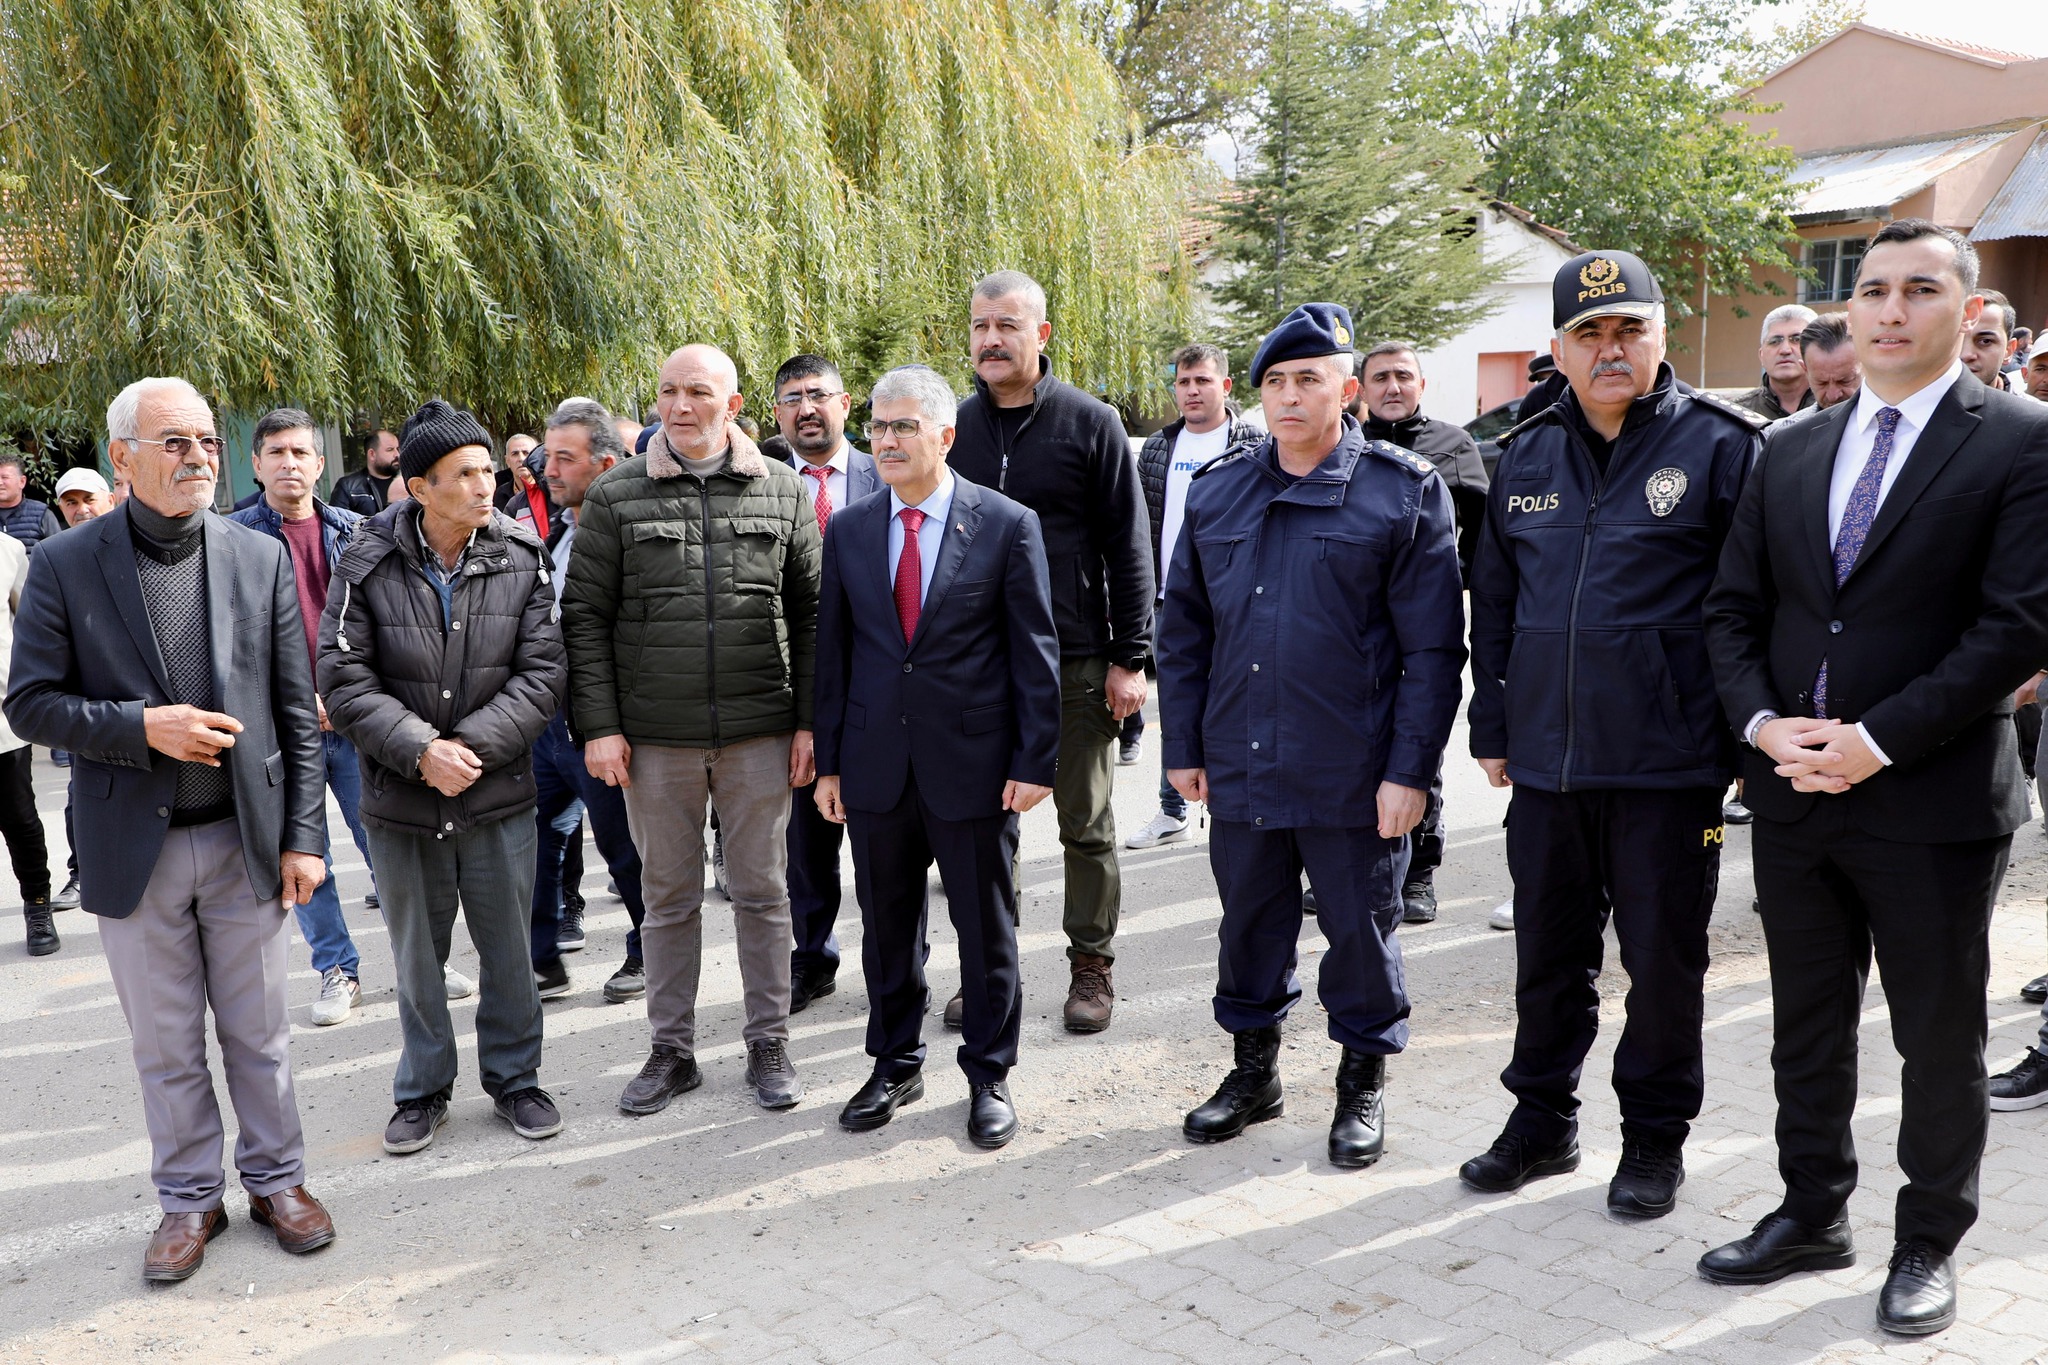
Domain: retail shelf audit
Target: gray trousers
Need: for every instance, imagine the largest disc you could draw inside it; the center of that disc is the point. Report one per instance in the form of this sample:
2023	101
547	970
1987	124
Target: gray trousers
749	783
200	938
486	872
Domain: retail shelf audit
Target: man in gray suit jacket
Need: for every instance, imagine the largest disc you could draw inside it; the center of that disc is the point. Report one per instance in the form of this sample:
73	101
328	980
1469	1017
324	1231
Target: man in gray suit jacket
162	645
811	408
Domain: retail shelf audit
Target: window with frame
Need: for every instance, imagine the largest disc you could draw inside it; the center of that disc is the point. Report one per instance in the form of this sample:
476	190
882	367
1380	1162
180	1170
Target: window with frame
1833	263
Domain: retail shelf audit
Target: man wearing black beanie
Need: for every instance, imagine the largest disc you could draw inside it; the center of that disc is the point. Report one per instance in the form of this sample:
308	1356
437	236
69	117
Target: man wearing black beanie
443	694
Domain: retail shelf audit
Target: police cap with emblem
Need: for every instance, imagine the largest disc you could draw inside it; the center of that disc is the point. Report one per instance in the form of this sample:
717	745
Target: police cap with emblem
1314	329
1602	284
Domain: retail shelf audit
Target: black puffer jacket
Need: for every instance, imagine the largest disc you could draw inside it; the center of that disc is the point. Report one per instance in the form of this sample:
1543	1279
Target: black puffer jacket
394	679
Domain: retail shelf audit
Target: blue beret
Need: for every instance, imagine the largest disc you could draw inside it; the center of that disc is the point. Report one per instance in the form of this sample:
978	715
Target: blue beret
1314	329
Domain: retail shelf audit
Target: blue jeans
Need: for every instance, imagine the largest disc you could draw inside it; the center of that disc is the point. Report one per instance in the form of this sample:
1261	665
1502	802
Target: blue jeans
567	793
320	920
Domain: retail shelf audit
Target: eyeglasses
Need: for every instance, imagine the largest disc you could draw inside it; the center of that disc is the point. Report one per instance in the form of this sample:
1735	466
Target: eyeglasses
817	398
902	428
178	447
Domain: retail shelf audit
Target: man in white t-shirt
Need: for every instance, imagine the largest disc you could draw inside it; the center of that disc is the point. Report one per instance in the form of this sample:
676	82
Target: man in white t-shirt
1207	429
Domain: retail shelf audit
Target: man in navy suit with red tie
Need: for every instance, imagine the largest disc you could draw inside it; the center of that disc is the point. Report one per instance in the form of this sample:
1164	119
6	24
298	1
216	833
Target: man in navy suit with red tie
938	720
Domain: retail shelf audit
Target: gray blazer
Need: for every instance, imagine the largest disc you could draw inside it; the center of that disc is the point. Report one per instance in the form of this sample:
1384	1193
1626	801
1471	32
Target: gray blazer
86	663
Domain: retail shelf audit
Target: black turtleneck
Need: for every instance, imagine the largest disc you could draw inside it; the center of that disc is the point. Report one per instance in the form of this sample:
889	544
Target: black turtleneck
167	540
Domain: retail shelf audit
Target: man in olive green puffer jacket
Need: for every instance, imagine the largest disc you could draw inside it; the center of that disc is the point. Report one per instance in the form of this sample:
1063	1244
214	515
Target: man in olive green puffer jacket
690	615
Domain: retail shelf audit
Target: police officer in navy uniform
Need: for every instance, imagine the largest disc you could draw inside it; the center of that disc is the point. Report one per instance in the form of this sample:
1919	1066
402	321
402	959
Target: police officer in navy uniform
1311	637
1593	698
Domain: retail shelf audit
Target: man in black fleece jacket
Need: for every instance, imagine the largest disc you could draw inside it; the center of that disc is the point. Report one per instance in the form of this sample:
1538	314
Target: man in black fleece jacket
1065	456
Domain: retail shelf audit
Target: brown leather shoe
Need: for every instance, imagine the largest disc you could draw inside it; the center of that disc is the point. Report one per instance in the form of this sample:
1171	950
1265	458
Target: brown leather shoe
1091	996
180	1245
300	1220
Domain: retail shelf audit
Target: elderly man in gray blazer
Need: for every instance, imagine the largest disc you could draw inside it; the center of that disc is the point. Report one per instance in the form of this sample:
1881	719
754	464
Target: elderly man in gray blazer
162	645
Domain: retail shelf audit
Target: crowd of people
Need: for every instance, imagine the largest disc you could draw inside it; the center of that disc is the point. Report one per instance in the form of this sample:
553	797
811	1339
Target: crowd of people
1834	588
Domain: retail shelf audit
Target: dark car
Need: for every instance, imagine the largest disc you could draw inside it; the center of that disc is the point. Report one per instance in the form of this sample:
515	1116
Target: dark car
1487	429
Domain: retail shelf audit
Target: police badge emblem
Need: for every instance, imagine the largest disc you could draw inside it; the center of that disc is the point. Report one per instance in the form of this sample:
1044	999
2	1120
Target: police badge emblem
1664	490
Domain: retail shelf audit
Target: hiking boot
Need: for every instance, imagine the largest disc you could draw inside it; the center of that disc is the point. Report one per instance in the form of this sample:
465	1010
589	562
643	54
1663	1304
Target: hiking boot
339	993
629	982
1249	1094
414	1124
1091	996
667	1073
531	1112
1358	1132
771	1074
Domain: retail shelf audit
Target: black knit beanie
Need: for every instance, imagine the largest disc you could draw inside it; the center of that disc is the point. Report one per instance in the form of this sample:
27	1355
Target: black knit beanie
432	432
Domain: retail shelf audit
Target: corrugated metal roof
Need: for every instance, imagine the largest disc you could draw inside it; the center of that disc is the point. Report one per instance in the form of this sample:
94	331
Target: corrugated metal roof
2020	208
1869	181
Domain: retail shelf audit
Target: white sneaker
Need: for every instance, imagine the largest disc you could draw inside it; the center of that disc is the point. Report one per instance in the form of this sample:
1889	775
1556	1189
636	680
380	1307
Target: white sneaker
339	993
1164	829
1503	916
460	987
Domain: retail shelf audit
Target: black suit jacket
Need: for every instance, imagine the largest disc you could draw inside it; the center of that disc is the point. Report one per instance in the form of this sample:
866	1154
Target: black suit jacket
86	663
973	700
1944	614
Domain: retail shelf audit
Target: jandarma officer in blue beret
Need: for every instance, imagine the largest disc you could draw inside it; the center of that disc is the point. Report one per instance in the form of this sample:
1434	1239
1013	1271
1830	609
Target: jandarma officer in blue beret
1312	635
1592	696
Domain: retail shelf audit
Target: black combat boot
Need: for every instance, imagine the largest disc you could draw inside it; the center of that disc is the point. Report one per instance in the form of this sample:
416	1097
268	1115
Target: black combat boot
1249	1094
1357	1133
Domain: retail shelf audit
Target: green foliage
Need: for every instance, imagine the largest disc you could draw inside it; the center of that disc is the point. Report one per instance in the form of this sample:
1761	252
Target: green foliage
337	203
1189	67
1609	119
1347	201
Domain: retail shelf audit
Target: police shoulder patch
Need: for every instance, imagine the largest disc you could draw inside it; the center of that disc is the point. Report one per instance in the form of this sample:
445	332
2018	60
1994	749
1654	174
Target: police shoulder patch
1754	421
1407	459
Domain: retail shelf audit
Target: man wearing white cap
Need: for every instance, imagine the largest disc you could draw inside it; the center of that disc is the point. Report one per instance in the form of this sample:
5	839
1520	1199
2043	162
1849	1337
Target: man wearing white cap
83	494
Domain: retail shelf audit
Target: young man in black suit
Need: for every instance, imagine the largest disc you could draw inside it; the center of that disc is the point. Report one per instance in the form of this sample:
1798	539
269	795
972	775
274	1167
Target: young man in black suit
935	610
1882	594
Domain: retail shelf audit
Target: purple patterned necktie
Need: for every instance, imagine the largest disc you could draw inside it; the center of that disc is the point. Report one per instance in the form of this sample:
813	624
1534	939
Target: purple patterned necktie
1857	515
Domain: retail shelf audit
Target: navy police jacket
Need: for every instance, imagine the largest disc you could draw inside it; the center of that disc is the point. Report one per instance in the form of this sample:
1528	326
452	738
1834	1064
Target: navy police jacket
1311	634
1589	651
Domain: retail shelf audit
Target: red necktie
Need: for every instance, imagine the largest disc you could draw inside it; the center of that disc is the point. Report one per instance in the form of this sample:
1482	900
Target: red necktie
824	499
909	572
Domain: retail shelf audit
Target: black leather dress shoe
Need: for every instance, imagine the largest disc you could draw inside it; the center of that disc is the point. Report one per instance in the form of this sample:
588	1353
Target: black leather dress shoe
1776	1247
2035	992
1919	1296
874	1104
1513	1161
991	1121
1358	1132
809	983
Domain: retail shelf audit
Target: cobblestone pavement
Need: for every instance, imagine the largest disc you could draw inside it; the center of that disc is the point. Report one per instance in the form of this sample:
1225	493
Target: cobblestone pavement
716	1230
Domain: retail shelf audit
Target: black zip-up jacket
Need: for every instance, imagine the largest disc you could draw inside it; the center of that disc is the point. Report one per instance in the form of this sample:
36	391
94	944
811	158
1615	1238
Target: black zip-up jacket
1589	653
1157	455
1071	463
1456	456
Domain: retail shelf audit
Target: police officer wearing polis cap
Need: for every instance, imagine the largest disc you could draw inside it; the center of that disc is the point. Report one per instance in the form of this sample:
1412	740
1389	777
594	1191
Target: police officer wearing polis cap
1311	634
1593	697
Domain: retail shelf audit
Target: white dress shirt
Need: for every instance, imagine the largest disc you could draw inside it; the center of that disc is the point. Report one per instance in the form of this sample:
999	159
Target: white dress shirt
1859	438
930	535
835	482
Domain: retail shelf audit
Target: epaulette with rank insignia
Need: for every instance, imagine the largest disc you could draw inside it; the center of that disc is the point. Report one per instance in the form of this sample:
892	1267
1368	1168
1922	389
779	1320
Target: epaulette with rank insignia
1754	421
1407	459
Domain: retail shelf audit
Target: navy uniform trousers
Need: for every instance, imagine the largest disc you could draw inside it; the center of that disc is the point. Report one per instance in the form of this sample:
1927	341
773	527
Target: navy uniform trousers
1357	878
813	843
893	852
1651	860
560	781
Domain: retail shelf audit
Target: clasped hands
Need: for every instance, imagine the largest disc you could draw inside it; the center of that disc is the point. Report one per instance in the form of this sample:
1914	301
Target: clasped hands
1818	755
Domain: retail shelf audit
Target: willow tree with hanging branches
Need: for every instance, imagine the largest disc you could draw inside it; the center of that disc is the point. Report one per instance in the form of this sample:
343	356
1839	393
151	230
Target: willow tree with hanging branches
343	203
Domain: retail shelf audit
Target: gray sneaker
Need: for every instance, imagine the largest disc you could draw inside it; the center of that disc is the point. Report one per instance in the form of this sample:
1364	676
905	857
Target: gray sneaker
769	1071
339	993
531	1112
412	1128
667	1073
